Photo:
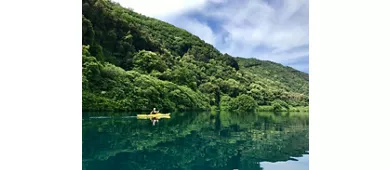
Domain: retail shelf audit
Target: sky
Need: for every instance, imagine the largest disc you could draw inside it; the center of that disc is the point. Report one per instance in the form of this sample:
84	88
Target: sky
275	30
301	163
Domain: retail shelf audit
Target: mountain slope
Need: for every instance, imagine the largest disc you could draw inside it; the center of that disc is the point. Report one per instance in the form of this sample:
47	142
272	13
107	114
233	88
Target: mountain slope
292	79
133	62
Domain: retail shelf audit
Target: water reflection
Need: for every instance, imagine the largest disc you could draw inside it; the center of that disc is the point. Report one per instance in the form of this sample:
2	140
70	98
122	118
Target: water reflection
300	163
193	140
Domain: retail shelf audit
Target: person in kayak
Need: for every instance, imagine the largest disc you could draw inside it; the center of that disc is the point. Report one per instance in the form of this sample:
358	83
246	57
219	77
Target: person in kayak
154	119
154	111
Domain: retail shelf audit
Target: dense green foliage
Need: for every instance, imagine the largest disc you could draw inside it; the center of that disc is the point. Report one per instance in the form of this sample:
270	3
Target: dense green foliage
107	87
220	140
133	62
291	79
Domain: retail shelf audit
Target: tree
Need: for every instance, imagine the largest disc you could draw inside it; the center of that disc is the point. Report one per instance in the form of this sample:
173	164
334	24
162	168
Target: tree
243	103
146	61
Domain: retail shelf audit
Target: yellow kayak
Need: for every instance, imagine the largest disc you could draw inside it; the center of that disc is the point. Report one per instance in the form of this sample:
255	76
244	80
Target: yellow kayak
158	115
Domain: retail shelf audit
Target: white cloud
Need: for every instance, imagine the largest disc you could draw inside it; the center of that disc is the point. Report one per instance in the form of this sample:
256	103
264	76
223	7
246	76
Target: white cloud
202	30
161	8
253	24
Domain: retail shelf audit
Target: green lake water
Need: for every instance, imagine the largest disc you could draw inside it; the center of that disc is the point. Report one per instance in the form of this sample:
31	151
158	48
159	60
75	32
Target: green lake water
196	140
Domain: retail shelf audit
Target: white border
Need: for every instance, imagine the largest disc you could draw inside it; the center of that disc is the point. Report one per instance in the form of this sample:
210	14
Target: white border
40	89
40	85
349	85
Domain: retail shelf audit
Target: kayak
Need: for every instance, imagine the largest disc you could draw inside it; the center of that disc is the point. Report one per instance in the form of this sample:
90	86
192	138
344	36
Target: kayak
158	115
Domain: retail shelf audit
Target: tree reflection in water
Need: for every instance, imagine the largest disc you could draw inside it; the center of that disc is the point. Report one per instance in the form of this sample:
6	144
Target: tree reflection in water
194	140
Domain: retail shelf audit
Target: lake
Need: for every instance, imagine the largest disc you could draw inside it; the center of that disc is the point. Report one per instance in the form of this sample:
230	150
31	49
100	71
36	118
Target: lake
196	140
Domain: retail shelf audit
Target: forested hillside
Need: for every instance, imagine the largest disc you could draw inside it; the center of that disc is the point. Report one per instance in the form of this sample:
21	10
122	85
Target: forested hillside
133	62
293	80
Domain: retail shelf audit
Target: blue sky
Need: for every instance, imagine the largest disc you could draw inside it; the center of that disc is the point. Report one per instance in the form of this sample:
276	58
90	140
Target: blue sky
275	30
